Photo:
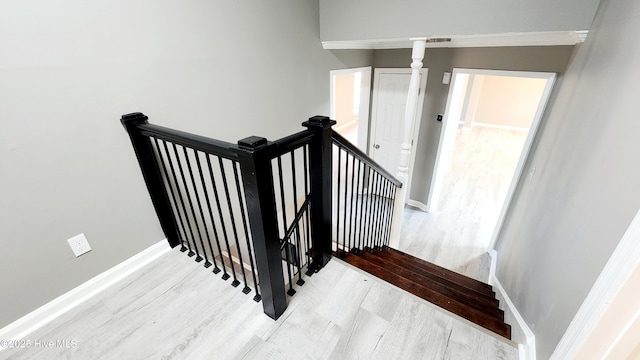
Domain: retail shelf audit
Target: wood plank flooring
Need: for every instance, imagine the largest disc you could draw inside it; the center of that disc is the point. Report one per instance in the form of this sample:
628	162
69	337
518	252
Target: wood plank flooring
176	309
458	234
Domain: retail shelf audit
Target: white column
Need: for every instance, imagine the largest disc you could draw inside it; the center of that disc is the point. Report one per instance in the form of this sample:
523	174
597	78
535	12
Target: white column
417	55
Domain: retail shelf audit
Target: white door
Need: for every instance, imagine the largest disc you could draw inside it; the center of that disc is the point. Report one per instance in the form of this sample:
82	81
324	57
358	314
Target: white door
390	89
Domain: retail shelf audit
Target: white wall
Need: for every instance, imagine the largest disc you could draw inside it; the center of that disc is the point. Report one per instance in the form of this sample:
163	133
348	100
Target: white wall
69	69
565	223
342	20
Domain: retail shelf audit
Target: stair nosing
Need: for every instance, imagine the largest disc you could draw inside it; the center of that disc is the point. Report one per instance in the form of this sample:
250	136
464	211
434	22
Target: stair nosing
479	286
490	309
406	262
473	315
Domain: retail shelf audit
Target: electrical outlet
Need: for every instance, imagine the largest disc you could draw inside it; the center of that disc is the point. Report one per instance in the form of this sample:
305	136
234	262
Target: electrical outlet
79	245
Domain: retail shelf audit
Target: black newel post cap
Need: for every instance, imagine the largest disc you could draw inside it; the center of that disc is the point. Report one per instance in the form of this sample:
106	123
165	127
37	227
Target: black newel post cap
252	142
133	118
319	121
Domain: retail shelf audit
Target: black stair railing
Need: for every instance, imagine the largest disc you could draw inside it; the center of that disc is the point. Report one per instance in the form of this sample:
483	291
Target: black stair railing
247	210
364	195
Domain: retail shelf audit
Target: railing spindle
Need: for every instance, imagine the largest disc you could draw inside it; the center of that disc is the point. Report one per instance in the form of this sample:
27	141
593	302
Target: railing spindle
344	215
216	269
195	194
246	234
165	175
235	281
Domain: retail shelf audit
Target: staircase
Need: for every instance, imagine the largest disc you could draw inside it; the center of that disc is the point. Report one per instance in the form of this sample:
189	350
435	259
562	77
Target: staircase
461	295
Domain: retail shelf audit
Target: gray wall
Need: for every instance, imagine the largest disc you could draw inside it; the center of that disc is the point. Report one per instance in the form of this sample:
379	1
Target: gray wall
544	58
566	222
68	71
342	20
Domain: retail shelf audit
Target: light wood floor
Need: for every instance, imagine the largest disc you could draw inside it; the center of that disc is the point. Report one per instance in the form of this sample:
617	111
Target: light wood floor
458	234
176	309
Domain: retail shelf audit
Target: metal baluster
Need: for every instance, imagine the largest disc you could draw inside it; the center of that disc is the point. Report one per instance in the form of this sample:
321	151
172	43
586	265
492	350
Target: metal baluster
306	215
225	275
246	235
285	241
368	211
393	203
389	214
357	233
378	211
195	193
233	227
344	215
186	215
235	281
338	203
383	222
165	175
295	206
351	214
216	269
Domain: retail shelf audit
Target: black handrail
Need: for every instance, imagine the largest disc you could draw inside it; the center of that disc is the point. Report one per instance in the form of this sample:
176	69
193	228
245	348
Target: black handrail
291	142
342	142
211	146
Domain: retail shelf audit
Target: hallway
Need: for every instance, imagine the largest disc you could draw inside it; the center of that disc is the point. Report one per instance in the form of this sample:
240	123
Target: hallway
458	235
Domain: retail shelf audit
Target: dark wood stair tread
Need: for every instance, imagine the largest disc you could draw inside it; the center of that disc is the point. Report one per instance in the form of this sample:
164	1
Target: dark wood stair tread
481	303
482	313
440	271
447	278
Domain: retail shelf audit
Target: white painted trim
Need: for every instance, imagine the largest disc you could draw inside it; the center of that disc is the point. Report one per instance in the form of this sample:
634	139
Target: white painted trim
526	350
41	316
417	204
526	148
546	38
621	265
416	124
365	101
446	138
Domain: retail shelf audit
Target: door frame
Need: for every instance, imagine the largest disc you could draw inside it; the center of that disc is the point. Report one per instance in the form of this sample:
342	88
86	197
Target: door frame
448	121
416	122
365	96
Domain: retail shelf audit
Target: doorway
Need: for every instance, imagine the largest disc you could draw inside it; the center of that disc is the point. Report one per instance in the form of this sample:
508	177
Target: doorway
489	124
390	91
349	102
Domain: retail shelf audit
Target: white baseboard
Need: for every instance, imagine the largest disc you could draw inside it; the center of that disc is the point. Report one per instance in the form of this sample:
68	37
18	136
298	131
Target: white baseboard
523	335
417	204
41	316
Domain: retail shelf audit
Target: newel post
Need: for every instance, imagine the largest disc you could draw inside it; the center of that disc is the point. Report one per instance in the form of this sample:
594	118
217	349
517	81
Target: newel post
417	55
151	172
320	161
255	164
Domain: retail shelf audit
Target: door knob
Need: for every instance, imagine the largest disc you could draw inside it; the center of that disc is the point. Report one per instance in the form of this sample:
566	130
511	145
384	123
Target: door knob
376	146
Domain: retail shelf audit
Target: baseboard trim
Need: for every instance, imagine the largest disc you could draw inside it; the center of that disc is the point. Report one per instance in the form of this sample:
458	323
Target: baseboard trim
417	204
527	345
41	316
